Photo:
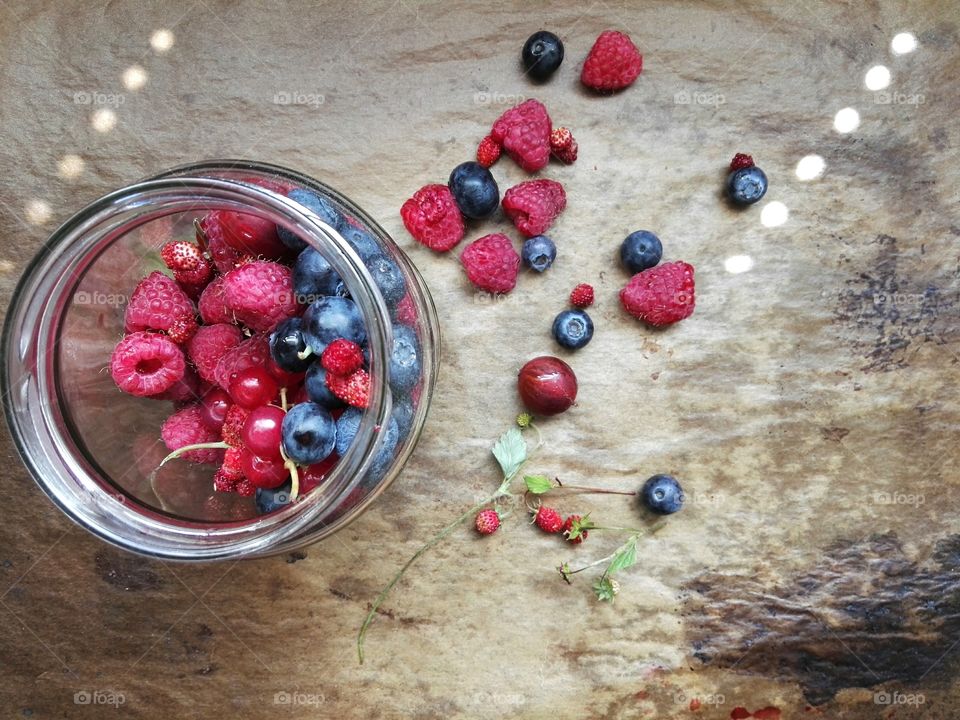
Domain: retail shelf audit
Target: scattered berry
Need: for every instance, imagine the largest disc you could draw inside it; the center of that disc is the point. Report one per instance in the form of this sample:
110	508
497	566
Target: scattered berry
538	253
582	296
740	161
433	218
488	151
572	329
491	263
260	294
640	250
158	303
613	62
542	54
524	132
253	387
563	146
145	364
745	186
342	357
533	205
309	433
474	190
353	389
209	345
661	295
286	344
547	385
662	494
487	522
548	519
187	427
568	526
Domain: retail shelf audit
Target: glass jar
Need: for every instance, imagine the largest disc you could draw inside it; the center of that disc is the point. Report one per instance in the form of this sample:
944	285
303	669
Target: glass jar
94	450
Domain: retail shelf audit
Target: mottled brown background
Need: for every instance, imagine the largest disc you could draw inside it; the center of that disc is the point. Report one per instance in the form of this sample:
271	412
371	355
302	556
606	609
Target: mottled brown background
797	391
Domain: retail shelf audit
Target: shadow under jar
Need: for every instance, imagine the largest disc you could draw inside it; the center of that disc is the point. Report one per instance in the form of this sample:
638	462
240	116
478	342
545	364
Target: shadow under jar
94	449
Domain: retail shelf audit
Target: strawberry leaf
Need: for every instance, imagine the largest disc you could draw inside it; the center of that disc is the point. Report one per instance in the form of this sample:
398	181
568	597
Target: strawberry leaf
510	451
624	557
538	484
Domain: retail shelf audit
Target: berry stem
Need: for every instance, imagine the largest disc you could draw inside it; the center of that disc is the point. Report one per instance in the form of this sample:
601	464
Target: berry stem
305	353
566	572
201	235
283	399
187	448
294	478
602	491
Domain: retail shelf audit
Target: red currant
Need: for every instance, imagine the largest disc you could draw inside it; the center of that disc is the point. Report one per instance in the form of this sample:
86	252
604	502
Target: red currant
313	475
214	408
261	431
263	472
253	387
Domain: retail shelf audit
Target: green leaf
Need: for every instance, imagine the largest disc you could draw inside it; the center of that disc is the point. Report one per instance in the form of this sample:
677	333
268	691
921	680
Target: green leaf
580	527
605	589
538	484
510	451
624	557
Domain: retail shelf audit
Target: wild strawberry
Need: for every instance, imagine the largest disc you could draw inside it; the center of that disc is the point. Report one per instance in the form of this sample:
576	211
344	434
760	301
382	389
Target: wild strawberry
582	296
524	132
613	62
568	526
491	263
488	151
563	146
433	218
533	205
233	423
353	389
342	357
487	522
661	295
231	468
224	483
189	266
548	519
245	488
740	161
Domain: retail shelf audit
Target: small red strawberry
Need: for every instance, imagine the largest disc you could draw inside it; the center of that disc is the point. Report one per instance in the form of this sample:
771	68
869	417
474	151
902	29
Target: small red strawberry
190	267
582	296
524	132
563	146
342	357
488	151
353	389
661	295
224	483
245	488
613	62
231	468
533	205
740	161
568	526
233	424
487	522
433	218
548	519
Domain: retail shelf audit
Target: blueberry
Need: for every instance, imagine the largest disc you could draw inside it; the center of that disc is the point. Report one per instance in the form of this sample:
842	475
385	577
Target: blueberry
384	457
285	342
403	413
347	425
640	250
662	494
330	318
361	241
274	499
538	252
316	384
573	329
542	54
316	204
309	433
314	277
388	277
746	185
405	365
474	189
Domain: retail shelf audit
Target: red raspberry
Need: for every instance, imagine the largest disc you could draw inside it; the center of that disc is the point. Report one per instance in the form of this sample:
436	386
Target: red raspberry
210	344
260	294
213	305
186	427
740	161
187	389
487	522
563	146
231	467
406	312
568	525
222	482
433	218
144	364
613	62
233	425
488	151
353	389
491	263
252	352
582	296
189	266
548	519
158	303
533	205
524	132
342	357
660	295
210	235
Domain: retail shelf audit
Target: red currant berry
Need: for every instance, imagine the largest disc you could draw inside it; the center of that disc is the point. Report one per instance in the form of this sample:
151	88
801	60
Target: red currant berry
263	472
253	387
313	475
214	408
261	431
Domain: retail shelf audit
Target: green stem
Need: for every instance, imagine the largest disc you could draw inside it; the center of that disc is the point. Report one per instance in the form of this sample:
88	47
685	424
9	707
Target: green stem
180	451
602	491
305	353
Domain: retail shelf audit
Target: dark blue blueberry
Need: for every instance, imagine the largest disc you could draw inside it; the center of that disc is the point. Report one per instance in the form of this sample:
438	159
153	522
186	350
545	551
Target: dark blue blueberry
316	384
538	252
542	54
309	433
403	413
405	365
746	185
330	318
474	189
662	494
361	241
286	341
388	277
316	204
271	500
314	277
387	451
573	329
347	425
640	250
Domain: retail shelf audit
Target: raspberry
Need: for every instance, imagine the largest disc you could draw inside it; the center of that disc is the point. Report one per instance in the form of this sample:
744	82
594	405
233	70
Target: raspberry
158	303
613	62
213	305
231	463
487	522
582	296
568	525
491	263
187	389
548	519
488	151
233	425
661	295
252	352
353	389
260	294
524	132
144	364
740	161
533	205
222	482
186	427
210	235
342	357
433	218
406	312
563	146
211	343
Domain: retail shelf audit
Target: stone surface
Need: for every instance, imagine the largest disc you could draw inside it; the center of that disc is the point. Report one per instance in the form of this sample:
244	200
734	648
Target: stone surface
809	406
